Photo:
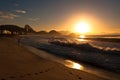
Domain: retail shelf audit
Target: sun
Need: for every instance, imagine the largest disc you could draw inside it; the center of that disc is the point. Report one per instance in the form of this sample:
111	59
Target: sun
82	27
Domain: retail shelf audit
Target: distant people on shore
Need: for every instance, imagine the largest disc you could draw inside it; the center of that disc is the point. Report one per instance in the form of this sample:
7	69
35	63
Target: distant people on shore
19	40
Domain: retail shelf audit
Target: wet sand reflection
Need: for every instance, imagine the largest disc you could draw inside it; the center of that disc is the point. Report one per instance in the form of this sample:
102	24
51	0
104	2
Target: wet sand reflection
72	64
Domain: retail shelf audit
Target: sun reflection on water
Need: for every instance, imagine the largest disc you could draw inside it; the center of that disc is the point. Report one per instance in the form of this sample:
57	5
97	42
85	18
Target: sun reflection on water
72	64
81	38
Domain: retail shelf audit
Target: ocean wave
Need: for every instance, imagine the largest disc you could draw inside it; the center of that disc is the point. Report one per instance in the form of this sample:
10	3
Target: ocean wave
87	47
85	52
105	39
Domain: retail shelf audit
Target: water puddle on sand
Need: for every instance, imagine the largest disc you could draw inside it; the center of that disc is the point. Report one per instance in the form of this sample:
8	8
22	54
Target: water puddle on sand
71	64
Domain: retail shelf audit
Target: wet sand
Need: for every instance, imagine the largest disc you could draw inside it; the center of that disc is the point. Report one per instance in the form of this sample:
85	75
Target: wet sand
17	63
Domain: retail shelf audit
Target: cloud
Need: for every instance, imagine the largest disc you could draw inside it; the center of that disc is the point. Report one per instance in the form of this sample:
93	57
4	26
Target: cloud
21	11
7	15
34	19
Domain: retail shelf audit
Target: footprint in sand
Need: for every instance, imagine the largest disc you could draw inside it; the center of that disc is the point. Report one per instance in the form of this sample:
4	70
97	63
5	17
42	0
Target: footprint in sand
79	78
12	77
28	74
36	73
47	70
71	73
41	72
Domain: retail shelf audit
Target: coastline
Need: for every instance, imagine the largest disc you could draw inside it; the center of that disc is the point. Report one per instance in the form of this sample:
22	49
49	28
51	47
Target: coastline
18	63
70	64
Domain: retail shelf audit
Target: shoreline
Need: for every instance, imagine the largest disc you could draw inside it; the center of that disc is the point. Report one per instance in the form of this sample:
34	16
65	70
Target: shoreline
18	63
100	72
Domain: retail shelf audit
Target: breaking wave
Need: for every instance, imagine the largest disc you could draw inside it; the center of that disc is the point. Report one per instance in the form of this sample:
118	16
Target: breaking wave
79	52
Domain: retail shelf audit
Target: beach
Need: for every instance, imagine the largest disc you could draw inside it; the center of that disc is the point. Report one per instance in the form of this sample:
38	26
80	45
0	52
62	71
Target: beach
18	63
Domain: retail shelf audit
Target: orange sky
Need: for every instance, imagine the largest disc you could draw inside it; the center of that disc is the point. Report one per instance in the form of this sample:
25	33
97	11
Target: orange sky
103	16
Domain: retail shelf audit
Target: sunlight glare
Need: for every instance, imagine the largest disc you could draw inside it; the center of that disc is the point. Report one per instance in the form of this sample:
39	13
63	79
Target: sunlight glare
82	36
74	65
82	27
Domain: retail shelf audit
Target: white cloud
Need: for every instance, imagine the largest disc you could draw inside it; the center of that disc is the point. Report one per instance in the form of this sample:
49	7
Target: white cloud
21	11
34	19
7	15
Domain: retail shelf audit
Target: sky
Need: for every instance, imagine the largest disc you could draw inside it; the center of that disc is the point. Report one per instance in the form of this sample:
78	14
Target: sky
103	16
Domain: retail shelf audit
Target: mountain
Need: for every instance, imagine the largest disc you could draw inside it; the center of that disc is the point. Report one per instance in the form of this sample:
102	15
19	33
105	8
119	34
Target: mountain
28	29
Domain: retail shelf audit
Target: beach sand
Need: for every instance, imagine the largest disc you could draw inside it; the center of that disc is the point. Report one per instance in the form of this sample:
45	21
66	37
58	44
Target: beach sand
17	63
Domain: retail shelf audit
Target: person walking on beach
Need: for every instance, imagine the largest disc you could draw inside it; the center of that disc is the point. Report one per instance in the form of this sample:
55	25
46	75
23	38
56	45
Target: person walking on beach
18	41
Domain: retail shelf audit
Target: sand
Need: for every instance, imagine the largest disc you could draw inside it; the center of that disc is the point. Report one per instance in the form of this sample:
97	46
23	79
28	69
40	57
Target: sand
17	63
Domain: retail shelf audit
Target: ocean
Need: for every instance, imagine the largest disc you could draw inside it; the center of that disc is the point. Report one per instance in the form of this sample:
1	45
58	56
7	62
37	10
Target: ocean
102	52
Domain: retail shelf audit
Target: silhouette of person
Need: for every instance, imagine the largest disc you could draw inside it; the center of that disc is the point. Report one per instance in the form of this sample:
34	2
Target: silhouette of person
18	41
